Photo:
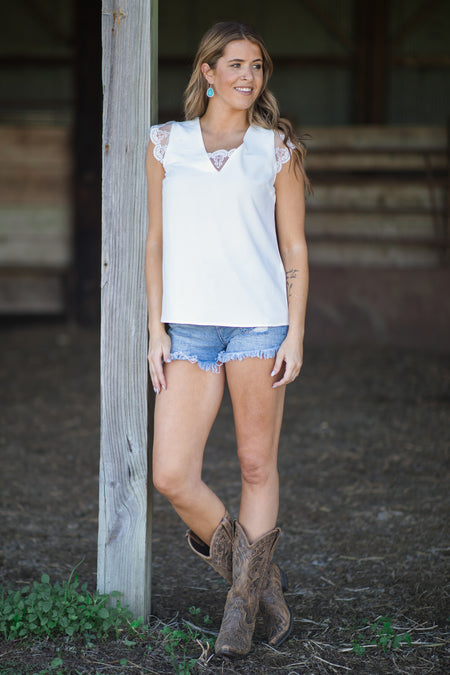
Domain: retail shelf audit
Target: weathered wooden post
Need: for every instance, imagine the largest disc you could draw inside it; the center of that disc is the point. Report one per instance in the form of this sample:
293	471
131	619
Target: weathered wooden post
129	37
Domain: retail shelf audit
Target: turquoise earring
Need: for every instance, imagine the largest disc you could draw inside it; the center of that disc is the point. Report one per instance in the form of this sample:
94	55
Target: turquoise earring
210	92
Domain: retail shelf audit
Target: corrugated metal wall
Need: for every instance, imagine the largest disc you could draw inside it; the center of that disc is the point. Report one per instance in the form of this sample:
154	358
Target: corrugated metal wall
315	45
368	81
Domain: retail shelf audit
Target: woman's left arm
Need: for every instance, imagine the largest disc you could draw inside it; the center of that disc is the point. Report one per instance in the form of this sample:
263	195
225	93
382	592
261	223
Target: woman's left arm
290	220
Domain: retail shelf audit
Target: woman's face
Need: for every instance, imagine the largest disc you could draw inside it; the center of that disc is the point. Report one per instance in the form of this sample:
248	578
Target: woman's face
238	75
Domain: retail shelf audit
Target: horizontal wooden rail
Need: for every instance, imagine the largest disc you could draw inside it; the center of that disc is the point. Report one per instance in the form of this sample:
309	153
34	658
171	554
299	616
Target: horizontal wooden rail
380	196
342	238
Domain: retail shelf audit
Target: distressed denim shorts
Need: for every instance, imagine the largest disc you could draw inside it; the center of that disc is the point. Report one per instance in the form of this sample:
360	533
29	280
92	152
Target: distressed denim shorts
211	346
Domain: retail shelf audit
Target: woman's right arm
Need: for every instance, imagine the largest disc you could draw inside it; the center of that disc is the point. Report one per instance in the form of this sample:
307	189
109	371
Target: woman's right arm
159	341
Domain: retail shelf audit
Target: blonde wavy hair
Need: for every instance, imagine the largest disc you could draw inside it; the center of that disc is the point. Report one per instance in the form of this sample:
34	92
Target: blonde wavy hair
264	112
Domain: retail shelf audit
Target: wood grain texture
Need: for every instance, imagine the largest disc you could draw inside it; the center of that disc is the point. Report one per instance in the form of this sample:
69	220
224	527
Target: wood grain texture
124	541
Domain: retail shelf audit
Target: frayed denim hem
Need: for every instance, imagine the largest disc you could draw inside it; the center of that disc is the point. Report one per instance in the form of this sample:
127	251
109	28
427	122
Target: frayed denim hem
224	357
240	356
208	366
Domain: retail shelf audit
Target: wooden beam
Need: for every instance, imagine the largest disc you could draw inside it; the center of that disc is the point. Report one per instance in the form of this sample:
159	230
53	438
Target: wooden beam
129	35
87	151
447	224
328	23
47	21
29	291
378	61
360	63
344	60
35	60
371	61
417	19
435	61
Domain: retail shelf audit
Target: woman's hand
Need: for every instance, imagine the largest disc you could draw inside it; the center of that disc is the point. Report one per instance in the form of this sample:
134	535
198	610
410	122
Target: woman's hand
289	355
158	354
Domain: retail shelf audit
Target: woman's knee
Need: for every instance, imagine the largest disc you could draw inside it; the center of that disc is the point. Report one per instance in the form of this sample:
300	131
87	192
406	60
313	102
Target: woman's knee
257	468
171	482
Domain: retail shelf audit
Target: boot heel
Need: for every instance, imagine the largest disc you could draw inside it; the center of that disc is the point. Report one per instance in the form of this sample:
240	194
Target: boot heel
284	581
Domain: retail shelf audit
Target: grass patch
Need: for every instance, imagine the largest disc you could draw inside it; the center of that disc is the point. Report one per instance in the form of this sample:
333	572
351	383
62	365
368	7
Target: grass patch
181	638
67	618
49	610
380	633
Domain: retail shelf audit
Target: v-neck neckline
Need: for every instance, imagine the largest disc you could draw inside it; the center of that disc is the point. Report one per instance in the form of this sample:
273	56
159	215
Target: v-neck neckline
231	152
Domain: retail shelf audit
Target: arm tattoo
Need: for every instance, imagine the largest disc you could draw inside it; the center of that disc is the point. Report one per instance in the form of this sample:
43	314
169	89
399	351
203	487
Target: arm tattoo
290	275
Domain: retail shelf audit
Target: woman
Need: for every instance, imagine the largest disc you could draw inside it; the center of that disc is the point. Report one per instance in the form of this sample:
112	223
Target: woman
226	195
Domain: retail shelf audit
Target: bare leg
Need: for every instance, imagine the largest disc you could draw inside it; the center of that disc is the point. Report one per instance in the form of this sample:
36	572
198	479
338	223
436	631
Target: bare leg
184	415
258	411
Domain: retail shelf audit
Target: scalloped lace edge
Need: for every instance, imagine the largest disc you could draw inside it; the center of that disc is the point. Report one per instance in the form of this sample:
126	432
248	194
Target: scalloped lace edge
160	139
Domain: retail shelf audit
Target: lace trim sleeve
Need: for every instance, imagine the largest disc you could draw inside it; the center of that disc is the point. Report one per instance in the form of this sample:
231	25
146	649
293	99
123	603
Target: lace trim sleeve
282	153
159	136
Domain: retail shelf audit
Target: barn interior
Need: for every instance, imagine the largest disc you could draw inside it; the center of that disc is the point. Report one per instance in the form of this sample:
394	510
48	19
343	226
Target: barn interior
368	82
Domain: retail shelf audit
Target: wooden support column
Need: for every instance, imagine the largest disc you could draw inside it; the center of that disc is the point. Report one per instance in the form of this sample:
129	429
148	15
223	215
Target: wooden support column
379	61
88	162
129	37
372	58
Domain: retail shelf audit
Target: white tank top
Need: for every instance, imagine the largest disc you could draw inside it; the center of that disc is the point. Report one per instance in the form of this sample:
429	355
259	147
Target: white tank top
221	262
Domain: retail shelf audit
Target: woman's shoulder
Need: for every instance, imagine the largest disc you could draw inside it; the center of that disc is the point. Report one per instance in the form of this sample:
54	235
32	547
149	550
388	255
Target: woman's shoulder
262	132
283	149
163	129
159	135
273	137
275	143
277	135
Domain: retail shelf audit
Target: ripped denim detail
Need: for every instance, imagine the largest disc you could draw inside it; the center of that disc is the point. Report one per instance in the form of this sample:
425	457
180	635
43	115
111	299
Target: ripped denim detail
224	357
208	366
240	356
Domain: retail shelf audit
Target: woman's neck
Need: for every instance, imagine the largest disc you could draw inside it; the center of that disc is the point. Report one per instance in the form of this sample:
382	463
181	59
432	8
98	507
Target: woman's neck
220	122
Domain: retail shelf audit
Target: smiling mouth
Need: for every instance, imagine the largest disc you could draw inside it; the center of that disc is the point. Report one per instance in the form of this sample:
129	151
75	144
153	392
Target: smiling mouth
244	90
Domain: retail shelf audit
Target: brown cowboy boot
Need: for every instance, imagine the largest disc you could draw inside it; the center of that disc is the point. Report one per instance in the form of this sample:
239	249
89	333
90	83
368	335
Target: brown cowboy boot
276	613
251	564
219	553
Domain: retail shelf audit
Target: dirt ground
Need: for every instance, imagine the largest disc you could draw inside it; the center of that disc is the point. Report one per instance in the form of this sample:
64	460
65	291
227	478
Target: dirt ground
364	504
